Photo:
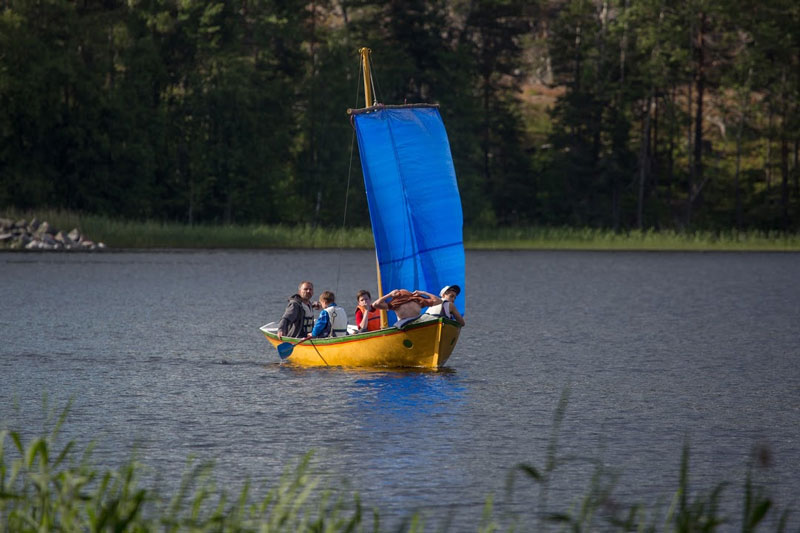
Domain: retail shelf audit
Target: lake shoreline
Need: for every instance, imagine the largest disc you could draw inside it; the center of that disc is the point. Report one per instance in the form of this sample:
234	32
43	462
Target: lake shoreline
467	248
119	234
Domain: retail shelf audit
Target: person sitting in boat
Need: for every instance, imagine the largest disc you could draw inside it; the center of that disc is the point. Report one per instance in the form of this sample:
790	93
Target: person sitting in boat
298	318
407	305
448	307
367	317
332	321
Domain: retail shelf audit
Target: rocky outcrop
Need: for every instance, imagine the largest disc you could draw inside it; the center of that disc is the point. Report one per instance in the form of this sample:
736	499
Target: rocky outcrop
35	235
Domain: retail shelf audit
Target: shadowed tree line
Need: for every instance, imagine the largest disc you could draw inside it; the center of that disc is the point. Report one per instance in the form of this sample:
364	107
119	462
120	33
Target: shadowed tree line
612	114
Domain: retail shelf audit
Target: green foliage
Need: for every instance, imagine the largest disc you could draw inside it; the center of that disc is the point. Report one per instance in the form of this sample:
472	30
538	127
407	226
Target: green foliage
597	509
44	488
39	492
667	115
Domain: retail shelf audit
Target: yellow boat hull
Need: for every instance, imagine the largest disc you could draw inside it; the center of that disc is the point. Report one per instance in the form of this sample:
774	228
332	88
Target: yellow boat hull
425	344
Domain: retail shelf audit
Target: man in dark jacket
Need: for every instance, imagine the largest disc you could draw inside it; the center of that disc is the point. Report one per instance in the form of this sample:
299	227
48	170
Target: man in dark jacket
298	319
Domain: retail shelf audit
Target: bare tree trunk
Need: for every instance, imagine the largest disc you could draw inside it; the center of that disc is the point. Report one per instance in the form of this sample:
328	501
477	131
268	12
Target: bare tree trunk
655	168
644	160
190	214
784	180
577	75
317	206
486	130
689	156
616	193
671	149
249	40
312	112
227	214
796	171
345	18
736	184
616	214
698	123
689	151
623	46
547	75
784	175
768	163
784	153
185	172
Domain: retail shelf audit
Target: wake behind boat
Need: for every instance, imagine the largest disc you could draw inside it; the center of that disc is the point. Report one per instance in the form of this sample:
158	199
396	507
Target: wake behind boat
417	224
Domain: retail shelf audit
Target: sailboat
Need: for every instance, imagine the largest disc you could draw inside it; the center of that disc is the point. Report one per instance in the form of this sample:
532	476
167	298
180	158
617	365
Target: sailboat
417	223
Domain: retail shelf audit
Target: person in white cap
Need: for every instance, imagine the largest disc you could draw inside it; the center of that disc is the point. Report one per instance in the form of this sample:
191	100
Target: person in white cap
448	307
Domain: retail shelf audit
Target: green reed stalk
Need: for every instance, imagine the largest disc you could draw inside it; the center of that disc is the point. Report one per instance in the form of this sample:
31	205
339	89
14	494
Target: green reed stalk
597	509
43	489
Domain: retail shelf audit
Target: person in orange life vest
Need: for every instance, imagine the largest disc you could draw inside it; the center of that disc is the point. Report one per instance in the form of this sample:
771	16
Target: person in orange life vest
407	305
367	317
448	307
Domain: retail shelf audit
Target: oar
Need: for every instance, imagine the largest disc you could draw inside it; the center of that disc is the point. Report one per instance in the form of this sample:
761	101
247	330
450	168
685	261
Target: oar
285	348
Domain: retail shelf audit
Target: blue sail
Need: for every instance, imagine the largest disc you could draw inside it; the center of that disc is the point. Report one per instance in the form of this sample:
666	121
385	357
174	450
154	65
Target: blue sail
413	198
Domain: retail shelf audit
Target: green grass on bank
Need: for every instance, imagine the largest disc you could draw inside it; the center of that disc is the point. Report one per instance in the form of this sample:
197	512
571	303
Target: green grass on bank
45	487
121	234
125	234
545	238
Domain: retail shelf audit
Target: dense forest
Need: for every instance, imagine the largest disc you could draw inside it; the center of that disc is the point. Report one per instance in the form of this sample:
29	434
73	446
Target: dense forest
620	114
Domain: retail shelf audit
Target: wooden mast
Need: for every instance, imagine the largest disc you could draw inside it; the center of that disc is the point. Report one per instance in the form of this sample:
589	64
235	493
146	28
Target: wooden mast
366	67
369	101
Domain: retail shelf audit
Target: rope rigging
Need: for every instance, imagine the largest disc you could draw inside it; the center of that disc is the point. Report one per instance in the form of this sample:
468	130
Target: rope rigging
347	188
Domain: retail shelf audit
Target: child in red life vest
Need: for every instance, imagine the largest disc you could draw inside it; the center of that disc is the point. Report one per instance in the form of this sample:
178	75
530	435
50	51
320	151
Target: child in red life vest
367	317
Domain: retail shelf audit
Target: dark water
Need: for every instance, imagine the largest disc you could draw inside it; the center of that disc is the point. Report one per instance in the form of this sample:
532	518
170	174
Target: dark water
161	353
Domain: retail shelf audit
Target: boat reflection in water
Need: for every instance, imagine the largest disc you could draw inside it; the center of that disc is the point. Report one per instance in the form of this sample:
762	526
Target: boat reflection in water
408	425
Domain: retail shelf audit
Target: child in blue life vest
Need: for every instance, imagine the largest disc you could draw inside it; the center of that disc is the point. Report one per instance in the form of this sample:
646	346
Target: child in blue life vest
332	321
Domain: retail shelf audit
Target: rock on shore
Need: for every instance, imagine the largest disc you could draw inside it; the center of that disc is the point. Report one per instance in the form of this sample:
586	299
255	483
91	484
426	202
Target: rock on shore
35	235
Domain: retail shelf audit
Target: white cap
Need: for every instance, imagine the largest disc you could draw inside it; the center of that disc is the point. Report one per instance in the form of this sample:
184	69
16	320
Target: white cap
450	288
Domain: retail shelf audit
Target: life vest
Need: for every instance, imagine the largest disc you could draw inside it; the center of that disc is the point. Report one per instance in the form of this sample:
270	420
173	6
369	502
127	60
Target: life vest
443	309
337	322
308	319
373	320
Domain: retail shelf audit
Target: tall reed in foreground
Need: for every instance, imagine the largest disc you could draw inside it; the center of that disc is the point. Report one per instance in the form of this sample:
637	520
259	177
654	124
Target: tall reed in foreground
43	488
597	509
